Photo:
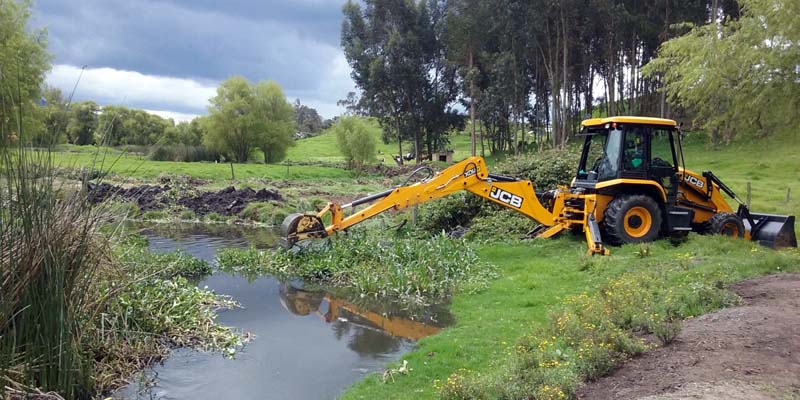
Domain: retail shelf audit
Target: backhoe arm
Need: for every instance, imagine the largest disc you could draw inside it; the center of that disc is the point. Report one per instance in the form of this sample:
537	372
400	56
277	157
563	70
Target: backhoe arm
470	175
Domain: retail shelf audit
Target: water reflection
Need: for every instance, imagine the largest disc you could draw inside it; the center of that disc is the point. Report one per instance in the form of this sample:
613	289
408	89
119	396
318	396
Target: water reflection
309	344
343	314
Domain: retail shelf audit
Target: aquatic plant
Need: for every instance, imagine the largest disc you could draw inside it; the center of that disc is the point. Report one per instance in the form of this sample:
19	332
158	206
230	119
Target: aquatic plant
370	265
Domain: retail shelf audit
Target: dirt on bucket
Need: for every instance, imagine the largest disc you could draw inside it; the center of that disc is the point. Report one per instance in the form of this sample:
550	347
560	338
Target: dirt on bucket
746	352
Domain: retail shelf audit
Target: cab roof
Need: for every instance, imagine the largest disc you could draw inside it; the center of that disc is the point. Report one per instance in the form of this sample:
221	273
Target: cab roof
629	120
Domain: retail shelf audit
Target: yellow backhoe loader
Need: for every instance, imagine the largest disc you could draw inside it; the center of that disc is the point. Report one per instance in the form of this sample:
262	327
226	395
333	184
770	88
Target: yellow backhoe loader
631	186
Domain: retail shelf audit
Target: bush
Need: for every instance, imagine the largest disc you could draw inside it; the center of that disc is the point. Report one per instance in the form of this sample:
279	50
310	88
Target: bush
545	169
182	153
355	137
500	225
449	213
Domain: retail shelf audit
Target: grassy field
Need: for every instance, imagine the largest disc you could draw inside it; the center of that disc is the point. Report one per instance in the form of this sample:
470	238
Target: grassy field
537	276
137	166
772	167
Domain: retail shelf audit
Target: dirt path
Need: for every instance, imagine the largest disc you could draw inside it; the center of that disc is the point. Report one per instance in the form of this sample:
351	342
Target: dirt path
747	352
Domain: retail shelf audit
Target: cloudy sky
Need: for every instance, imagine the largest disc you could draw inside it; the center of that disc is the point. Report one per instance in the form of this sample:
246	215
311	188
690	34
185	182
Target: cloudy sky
168	56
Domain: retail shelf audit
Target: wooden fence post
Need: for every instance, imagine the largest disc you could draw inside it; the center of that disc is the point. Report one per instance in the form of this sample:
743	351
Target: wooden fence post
747	195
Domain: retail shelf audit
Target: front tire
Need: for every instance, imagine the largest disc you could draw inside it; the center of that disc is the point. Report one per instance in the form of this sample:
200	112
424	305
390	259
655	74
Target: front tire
632	219
728	224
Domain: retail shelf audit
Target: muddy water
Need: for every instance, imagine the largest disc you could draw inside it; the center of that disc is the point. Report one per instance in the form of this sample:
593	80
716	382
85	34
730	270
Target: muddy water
309	344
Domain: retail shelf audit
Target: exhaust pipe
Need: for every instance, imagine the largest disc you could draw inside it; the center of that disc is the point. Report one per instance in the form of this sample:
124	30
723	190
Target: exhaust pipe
773	231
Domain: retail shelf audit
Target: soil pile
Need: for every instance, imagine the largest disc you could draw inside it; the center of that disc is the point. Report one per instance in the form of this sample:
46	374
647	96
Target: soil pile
229	201
148	197
747	352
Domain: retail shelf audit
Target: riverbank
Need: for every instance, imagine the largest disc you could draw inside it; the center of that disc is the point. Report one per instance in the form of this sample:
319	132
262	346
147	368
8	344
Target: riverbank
479	357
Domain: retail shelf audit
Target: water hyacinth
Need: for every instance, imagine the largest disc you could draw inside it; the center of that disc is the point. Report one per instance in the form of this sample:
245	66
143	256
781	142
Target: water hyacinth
433	268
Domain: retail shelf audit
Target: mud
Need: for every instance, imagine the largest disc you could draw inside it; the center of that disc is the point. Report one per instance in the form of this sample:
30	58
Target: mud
229	201
747	352
147	197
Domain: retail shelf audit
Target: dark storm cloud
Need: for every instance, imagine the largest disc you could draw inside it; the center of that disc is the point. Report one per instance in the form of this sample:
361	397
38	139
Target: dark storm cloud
295	43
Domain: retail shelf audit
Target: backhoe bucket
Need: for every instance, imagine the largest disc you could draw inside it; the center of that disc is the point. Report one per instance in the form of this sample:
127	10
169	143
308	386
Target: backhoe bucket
773	231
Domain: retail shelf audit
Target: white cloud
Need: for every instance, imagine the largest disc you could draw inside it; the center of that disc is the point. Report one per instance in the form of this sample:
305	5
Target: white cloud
133	89
183	99
175	116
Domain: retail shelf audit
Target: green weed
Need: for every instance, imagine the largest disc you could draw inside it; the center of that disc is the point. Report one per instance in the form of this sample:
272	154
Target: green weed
407	268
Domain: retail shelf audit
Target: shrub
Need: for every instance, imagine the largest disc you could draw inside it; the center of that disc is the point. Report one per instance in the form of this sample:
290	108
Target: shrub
444	215
182	153
545	169
499	225
355	137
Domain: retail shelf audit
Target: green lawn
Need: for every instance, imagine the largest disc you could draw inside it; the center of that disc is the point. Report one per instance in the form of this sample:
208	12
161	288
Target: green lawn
535	277
772	167
134	166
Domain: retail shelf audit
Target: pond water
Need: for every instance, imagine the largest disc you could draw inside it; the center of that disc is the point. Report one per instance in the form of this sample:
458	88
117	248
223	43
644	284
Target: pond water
309	344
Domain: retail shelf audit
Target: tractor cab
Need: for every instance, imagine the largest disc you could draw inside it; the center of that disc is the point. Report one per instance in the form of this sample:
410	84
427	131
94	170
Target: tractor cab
629	148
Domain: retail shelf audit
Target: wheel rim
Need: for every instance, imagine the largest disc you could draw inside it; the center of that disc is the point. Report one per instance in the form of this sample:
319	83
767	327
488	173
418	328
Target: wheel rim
730	229
638	222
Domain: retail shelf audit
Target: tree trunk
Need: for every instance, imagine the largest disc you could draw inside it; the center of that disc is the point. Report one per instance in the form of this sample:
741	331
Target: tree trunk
399	140
472	105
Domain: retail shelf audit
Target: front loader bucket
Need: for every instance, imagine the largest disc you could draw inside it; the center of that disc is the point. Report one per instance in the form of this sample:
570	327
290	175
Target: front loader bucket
773	231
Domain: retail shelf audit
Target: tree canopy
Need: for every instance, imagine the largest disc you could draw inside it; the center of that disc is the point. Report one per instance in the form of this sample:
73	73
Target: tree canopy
23	62
355	137
244	116
517	65
738	75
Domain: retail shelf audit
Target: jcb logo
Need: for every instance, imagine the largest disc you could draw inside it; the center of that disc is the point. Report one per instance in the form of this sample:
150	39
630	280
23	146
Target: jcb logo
694	181
470	172
506	197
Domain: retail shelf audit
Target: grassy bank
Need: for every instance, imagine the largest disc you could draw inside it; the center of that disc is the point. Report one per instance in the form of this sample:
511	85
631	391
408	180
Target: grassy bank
536	279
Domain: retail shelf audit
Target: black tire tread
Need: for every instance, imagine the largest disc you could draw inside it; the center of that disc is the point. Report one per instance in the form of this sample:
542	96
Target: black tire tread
714	224
615	212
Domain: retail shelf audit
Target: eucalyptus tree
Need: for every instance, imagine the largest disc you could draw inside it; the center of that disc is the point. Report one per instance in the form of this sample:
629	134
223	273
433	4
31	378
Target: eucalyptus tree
395	50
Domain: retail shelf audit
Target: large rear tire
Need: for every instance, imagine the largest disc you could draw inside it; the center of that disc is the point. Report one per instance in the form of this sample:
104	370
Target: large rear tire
728	224
632	219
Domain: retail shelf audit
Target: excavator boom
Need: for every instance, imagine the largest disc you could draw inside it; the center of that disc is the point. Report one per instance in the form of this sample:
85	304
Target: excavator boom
629	180
470	175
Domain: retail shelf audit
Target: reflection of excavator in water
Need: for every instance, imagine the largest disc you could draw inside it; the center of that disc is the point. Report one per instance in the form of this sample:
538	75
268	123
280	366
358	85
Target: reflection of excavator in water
303	302
631	187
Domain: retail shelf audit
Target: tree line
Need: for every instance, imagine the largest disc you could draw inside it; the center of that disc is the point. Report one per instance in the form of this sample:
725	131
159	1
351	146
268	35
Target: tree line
242	117
530	70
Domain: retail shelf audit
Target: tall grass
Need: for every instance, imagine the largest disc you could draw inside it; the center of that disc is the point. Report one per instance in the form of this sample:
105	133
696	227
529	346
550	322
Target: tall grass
50	255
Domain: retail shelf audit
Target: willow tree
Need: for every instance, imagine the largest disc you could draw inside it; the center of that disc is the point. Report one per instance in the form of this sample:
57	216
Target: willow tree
243	117
738	76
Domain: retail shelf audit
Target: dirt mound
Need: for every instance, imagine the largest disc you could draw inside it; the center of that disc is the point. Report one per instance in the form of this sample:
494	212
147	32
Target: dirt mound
747	352
228	201
146	196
